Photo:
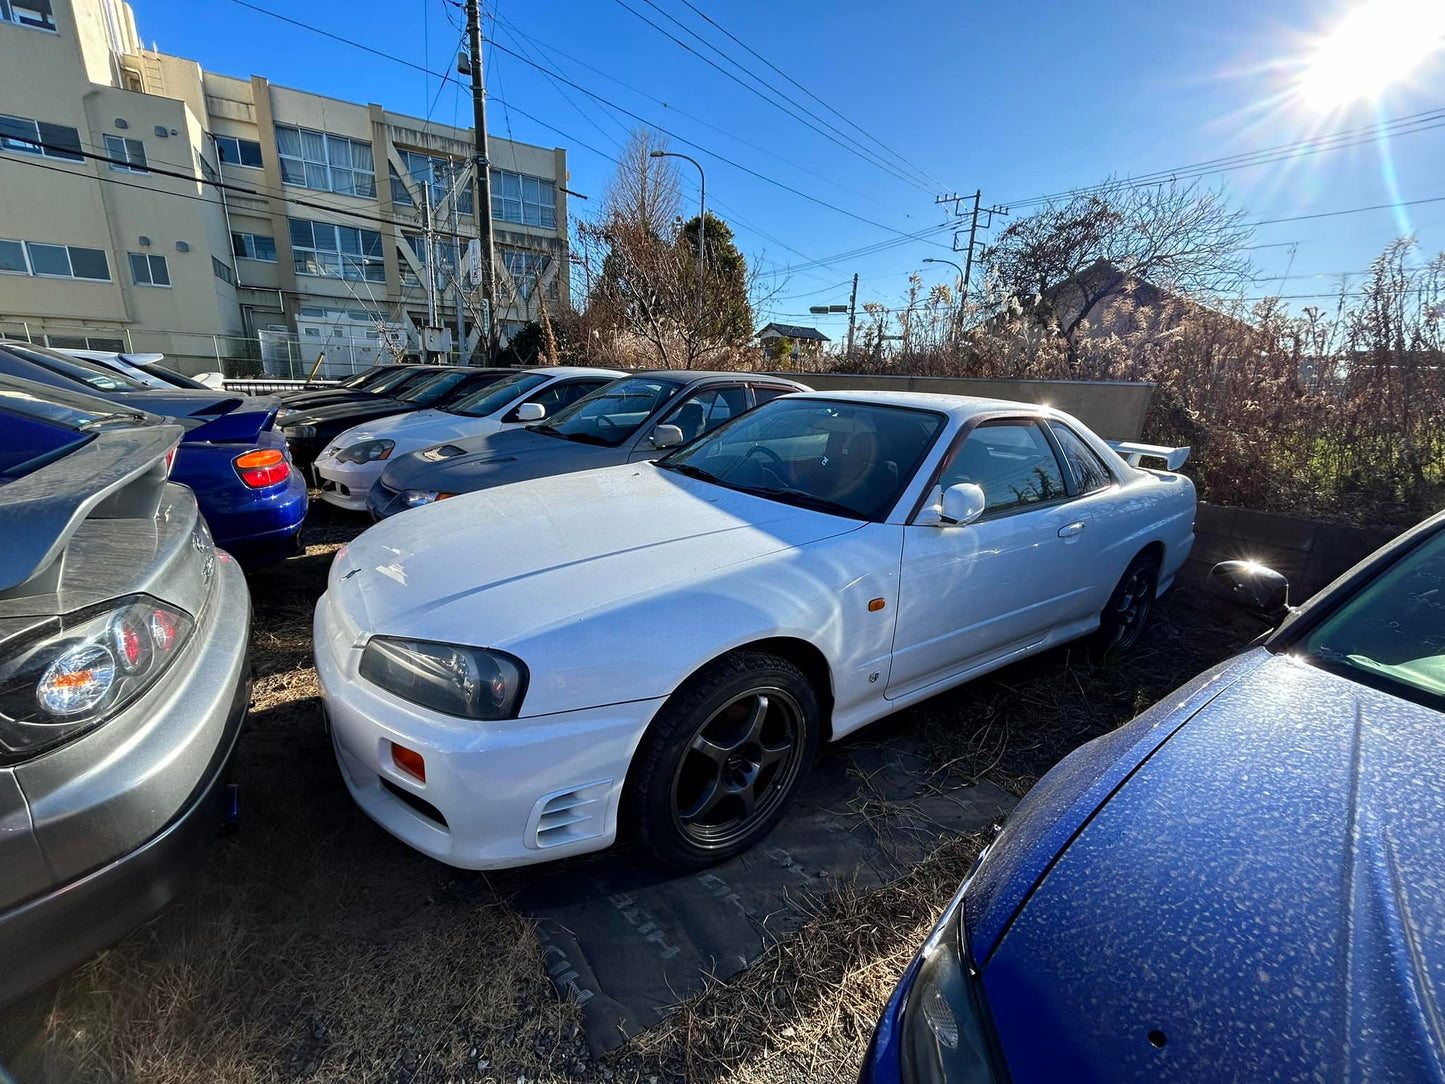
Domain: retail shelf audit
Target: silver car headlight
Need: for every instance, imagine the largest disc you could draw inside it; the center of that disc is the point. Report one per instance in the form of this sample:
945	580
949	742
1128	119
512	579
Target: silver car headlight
415	498
470	682
368	451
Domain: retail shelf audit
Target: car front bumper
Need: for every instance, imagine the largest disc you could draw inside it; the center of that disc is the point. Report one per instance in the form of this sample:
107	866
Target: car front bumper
496	794
125	814
346	484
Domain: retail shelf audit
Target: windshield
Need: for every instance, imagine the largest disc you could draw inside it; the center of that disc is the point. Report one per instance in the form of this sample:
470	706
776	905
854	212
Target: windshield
494	397
97	376
1392	633
401	380
612	413
849	458
433	390
368	378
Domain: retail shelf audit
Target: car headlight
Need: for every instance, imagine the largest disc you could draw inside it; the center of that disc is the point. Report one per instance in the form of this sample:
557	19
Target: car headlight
415	498
299	432
946	1035
368	451
69	674
471	682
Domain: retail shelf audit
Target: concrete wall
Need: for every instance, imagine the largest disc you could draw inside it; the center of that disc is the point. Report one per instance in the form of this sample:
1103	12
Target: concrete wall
1114	410
1309	552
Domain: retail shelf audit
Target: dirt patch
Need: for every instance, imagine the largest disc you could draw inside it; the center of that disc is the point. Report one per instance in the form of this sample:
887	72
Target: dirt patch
314	947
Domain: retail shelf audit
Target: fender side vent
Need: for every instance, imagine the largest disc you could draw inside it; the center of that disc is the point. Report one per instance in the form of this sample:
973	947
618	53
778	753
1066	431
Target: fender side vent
572	815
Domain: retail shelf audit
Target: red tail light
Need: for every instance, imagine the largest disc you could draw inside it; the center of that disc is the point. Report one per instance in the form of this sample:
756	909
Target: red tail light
170	460
263	467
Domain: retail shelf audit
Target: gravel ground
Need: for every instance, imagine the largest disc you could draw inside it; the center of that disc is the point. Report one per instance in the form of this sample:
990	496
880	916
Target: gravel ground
314	947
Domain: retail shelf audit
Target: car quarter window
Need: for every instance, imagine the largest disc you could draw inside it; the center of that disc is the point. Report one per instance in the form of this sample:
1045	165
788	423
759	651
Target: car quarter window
556	396
1089	471
706	409
1012	462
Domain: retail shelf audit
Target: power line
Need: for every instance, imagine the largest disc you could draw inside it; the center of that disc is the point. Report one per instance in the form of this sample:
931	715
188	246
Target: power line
600	99
867	156
939	185
1349	211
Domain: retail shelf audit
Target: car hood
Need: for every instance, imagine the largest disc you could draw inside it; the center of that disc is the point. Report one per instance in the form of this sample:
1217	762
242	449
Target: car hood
515	561
307	400
421	429
1261	889
512	455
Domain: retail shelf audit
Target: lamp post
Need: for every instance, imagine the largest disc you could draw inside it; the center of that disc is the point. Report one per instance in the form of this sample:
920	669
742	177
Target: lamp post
958	320
701	222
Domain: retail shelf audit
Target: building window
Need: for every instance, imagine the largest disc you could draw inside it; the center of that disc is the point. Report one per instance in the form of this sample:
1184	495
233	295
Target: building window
54	261
517	197
238	152
128	155
326	162
223	271
337	252
25	136
526	268
33	13
148	270
441	173
399	193
254	246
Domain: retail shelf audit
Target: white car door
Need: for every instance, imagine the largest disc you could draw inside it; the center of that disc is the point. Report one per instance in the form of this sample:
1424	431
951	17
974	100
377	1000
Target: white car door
989	588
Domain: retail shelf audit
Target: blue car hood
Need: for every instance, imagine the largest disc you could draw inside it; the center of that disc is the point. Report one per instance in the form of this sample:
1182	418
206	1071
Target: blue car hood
1259	892
512	455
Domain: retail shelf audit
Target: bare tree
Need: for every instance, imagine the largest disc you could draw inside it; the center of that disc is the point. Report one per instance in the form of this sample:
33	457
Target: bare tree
1062	263
644	192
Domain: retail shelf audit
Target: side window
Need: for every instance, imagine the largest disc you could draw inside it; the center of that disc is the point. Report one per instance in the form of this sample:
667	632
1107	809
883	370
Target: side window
1011	462
763	392
1089	470
566	393
705	410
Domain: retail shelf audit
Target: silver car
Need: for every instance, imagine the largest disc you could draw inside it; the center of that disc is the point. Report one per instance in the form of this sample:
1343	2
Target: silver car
124	677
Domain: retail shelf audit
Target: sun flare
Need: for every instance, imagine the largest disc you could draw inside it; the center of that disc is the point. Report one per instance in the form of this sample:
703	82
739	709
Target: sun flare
1376	44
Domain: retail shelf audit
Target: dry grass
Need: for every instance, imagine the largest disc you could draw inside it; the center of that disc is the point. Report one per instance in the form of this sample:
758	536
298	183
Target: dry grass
313	947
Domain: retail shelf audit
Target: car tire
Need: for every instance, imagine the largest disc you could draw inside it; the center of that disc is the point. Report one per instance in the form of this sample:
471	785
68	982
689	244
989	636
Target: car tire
1125	615
722	759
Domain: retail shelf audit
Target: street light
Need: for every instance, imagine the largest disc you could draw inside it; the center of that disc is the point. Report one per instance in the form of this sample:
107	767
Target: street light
701	223
958	321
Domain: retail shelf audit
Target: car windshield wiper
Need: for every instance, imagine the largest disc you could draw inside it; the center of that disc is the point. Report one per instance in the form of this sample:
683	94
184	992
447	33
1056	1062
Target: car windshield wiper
803	499
692	472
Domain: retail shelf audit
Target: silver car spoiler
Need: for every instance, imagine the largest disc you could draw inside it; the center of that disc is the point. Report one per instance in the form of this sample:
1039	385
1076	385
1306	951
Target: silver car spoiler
1133	453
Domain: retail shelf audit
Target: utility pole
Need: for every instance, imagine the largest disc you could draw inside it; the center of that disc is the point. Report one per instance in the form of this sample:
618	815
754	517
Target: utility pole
852	312
431	273
973	227
484	179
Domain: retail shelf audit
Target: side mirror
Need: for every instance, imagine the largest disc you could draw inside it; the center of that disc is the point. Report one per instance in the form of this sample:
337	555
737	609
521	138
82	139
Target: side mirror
962	504
1251	586
666	436
531	412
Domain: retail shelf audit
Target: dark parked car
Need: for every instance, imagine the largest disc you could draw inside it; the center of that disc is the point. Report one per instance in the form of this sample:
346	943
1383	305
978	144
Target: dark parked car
634	418
311	429
1241	884
230	454
124	677
382	380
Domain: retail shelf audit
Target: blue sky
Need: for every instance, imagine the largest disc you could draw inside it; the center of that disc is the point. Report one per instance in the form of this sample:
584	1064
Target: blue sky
1016	99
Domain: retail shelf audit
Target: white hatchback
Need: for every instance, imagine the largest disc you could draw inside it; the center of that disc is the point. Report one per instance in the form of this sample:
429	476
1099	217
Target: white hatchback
514	674
347	467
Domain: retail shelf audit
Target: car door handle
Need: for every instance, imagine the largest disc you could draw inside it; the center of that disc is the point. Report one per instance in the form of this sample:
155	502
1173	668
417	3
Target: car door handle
1070	530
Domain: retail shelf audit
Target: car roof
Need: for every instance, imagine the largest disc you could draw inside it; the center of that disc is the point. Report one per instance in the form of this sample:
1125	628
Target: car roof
697	375
961	407
574	370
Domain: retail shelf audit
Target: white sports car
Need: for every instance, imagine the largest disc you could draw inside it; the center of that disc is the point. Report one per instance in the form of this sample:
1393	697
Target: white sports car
518	674
349	465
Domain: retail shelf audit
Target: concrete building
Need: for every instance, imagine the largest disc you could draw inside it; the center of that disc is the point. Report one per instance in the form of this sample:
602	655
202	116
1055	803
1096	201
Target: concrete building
317	238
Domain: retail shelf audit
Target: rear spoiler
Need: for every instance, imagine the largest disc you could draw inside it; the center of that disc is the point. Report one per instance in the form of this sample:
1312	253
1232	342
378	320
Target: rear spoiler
119	474
243	422
1133	453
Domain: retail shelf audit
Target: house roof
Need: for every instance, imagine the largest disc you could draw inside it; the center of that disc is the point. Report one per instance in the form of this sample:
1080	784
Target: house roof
796	331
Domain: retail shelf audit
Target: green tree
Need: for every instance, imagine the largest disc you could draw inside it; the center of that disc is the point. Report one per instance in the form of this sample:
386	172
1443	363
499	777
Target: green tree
727	313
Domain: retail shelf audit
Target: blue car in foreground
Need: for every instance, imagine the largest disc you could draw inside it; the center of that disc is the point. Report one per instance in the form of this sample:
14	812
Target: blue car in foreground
1244	883
231	455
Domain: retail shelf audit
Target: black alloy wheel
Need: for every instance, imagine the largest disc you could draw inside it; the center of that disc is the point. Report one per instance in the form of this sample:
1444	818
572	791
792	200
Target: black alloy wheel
1130	606
723	758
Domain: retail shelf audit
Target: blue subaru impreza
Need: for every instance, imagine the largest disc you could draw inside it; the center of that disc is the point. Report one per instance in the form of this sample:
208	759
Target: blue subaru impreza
1247	882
